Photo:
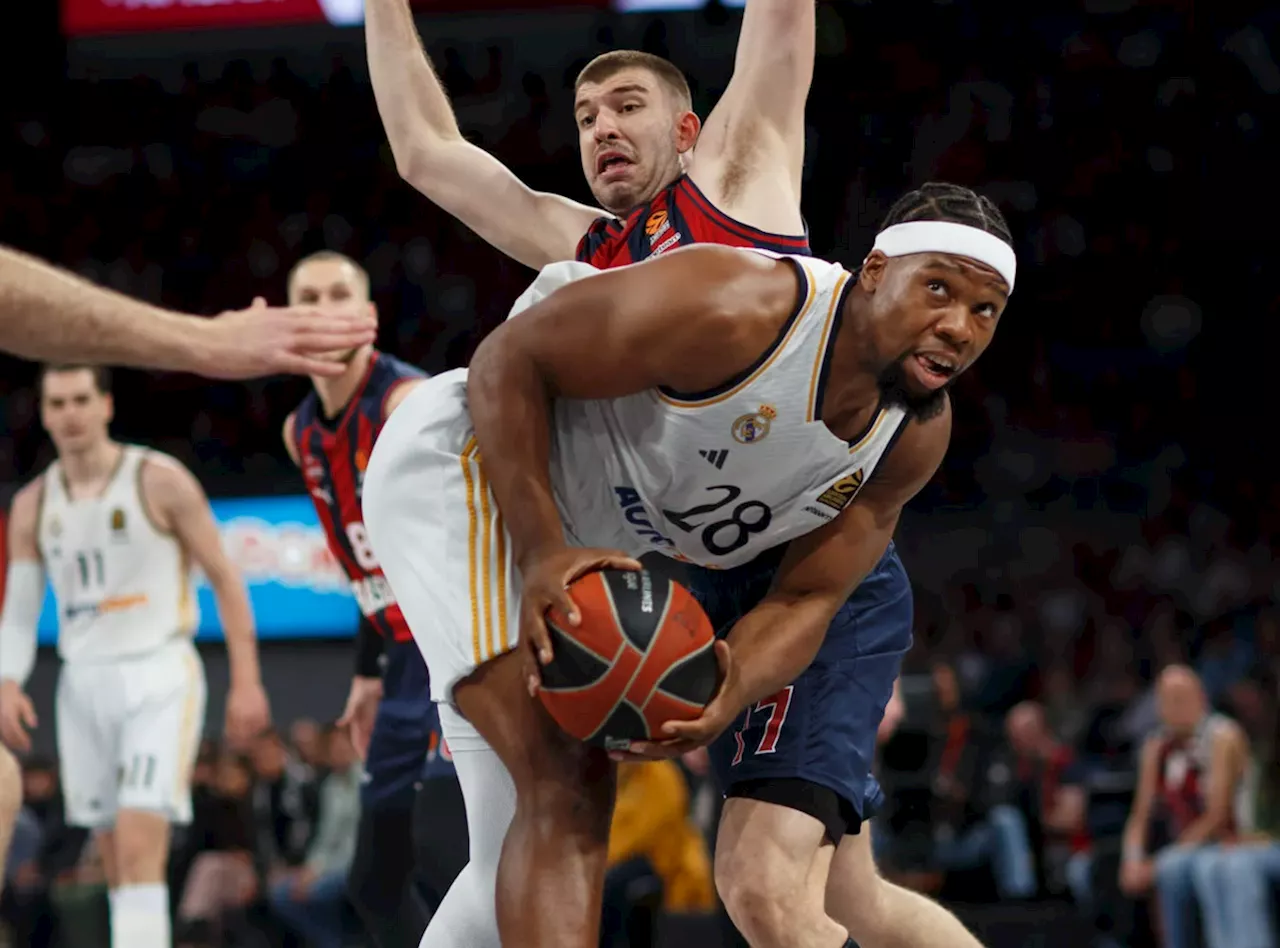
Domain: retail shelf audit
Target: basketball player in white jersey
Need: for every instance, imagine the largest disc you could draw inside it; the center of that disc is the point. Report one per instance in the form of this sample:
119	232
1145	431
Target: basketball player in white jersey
49	314
591	410
116	530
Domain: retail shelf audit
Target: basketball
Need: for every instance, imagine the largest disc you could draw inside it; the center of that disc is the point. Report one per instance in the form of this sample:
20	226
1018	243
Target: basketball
643	655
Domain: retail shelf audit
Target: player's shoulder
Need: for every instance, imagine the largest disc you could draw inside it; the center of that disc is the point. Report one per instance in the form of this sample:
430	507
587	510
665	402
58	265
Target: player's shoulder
1227	730
720	266
916	451
29	498
305	411
162	474
397	370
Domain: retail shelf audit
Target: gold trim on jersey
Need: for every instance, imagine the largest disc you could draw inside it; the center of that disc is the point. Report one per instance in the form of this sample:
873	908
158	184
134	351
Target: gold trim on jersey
142	499
487	561
189	732
188	607
823	341
778	346
881	414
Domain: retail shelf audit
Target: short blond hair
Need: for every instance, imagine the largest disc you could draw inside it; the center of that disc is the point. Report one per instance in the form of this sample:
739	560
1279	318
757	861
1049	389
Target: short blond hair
328	256
610	64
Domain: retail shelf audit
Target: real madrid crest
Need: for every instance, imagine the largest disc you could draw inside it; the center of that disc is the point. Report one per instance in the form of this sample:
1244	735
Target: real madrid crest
753	427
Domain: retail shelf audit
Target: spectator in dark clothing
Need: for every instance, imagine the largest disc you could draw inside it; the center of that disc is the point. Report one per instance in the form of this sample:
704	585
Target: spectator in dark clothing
223	874
969	830
36	855
1053	809
285	807
309	898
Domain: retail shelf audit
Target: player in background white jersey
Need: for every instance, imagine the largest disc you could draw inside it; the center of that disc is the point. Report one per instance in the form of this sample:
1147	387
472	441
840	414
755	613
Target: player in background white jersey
116	529
614	385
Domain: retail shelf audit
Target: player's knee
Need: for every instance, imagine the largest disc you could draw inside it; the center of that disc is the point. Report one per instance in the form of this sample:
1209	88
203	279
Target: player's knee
762	896
571	795
860	904
140	842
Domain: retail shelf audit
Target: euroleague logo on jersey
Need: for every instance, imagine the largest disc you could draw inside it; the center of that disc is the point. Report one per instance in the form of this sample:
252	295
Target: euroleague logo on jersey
657	227
118	523
754	426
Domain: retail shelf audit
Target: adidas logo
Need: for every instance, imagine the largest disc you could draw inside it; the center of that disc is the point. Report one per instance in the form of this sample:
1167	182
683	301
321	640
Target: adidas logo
715	457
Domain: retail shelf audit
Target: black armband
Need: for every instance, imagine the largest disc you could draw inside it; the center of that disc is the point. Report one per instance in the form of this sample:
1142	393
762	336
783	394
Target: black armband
369	646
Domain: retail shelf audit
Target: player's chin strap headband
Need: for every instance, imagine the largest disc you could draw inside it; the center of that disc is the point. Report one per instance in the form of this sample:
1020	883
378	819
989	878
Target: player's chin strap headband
949	237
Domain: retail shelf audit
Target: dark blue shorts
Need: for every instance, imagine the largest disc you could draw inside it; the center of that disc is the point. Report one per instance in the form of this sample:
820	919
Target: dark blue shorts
405	745
821	729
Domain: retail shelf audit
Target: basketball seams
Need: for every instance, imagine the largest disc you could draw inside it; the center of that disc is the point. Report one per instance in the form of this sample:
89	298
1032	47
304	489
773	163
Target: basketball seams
627	643
657	634
655	640
631	599
607	662
691	656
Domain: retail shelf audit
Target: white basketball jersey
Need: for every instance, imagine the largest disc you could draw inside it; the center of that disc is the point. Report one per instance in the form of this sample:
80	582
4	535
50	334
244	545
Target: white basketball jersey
716	478
122	586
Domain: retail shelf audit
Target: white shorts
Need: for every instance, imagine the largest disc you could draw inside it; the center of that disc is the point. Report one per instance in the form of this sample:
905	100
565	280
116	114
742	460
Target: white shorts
436	531
128	733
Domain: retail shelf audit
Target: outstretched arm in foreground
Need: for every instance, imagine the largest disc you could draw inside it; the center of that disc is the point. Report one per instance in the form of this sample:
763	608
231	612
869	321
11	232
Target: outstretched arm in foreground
47	314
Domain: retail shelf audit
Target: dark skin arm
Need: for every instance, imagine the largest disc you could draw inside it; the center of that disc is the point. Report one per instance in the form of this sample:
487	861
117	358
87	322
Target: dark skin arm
778	639
689	319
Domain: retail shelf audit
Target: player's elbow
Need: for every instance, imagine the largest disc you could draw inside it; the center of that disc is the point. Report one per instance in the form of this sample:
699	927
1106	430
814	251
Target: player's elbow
1218	817
501	362
810	615
226	581
413	162
423	159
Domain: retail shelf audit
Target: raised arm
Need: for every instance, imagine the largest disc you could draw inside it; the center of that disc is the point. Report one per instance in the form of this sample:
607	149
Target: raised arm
751	150
689	320
47	314
530	226
178	503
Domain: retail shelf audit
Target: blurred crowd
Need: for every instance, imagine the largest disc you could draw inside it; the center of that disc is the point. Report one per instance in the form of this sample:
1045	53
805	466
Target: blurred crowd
1104	514
1020	797
267	852
265	860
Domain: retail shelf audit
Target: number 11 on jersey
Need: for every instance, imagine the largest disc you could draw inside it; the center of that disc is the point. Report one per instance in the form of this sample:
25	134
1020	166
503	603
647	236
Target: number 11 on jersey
92	569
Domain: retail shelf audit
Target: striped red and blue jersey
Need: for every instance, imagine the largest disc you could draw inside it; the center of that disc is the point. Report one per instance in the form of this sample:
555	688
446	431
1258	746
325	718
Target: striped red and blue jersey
679	215
333	454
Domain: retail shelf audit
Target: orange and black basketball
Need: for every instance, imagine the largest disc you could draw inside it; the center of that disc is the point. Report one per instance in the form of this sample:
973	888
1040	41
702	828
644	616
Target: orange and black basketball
642	656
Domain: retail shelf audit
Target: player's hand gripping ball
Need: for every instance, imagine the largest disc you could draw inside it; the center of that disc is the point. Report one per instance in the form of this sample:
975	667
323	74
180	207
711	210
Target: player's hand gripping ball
642	655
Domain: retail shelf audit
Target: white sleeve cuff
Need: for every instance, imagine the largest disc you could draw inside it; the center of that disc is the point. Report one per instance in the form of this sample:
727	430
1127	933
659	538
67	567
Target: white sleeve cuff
23	598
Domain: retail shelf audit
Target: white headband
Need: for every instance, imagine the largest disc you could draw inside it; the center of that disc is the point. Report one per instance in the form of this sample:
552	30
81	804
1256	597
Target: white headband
948	237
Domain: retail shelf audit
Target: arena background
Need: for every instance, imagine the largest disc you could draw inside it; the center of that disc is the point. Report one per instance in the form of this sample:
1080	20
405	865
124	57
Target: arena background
189	153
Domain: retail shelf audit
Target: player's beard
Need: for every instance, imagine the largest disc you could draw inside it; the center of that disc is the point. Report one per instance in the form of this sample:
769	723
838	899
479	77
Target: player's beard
893	391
